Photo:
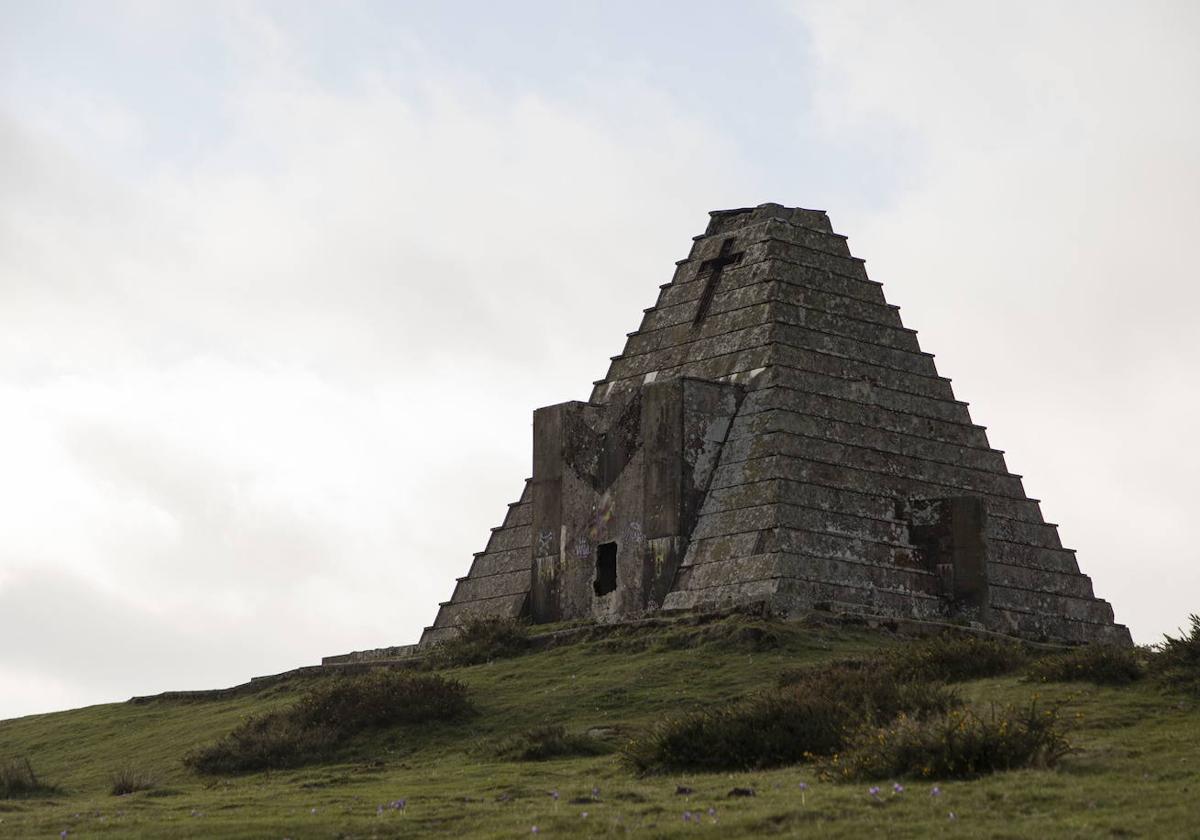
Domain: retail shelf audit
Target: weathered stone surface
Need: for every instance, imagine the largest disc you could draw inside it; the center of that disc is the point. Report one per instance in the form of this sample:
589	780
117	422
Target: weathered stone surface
916	445
773	434
870	415
616	492
864	391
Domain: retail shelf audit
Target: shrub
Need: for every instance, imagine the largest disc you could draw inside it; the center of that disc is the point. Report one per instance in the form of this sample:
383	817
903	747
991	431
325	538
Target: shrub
327	716
869	688
270	741
481	640
954	658
18	781
545	742
380	698
958	744
813	714
1176	662
1100	664
128	780
770	730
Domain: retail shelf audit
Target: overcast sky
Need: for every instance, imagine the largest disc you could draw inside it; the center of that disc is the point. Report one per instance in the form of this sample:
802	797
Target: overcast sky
280	283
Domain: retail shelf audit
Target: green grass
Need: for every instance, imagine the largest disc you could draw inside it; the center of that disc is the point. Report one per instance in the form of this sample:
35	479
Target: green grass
1134	771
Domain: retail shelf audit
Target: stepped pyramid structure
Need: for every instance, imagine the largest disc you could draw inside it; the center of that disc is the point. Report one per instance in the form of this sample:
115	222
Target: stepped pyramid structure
772	434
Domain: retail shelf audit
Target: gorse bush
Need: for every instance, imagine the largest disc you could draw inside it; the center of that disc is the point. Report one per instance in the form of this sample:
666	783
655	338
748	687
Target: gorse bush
328	715
1100	664
953	658
1176	662
813	714
816	711
379	698
546	742
766	731
959	744
262	742
868	688
127	780
18	781
481	640
265	742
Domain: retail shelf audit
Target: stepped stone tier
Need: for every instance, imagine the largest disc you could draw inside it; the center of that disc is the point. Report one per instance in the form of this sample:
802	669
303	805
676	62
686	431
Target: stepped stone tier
773	434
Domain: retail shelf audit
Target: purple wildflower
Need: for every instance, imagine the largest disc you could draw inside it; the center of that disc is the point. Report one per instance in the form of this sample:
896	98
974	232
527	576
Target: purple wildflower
687	816
554	795
897	788
874	791
63	833
583	815
804	786
533	830
937	791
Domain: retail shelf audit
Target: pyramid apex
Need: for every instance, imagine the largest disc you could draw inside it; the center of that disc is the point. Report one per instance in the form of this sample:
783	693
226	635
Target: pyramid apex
724	221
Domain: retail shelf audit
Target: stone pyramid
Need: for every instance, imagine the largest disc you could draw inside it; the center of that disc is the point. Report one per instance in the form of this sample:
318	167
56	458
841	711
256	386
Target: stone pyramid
772	434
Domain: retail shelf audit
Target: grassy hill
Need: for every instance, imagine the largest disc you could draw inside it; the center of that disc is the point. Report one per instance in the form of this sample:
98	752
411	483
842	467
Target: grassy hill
1134	768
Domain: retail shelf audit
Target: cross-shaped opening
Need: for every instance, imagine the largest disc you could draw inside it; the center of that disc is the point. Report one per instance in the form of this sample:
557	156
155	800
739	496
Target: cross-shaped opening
713	269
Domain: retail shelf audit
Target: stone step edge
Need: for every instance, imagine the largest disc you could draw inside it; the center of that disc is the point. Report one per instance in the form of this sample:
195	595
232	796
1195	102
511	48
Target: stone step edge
772	298
640	377
931	483
749	484
701	339
893	522
749	415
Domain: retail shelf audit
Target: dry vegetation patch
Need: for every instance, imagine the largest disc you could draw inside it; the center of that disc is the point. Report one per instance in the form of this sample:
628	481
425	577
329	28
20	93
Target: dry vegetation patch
961	743
19	781
812	713
327	715
1099	664
481	640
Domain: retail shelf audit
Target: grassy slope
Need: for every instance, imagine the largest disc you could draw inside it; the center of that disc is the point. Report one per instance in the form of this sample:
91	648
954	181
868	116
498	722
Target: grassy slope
1136	772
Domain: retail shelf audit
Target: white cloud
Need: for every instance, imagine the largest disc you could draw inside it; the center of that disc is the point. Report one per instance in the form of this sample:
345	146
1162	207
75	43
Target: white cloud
282	391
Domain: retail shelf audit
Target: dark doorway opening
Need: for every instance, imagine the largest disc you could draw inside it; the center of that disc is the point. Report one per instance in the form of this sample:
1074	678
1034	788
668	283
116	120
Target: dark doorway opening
606	569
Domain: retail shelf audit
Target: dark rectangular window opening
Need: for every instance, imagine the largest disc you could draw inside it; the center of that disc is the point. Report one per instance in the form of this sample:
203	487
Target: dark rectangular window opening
606	569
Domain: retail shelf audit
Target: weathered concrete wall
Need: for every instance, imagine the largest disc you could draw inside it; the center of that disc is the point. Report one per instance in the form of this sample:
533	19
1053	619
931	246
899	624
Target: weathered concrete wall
629	475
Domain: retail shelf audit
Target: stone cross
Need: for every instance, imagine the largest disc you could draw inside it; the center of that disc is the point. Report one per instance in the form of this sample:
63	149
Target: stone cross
713	269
